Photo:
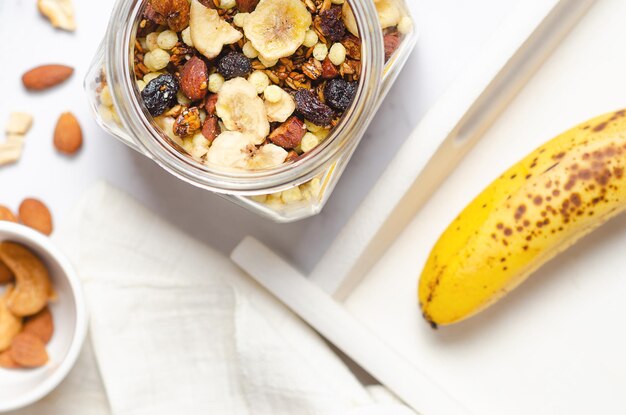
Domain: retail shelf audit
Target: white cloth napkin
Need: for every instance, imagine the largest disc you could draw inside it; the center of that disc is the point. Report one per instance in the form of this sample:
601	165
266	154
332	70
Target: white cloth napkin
176	328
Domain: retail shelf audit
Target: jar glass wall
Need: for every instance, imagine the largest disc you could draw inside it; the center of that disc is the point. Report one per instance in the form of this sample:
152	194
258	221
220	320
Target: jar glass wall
288	192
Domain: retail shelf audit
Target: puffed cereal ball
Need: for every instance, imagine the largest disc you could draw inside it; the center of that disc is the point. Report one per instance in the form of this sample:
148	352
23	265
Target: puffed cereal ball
310	39
320	51
249	51
156	60
152	41
215	82
167	39
273	94
337	54
150	76
260	80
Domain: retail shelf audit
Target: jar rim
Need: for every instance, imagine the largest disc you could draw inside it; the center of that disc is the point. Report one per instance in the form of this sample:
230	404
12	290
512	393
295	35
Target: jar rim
136	120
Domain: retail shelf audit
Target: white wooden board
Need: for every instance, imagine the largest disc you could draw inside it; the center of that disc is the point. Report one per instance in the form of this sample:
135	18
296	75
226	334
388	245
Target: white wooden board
554	346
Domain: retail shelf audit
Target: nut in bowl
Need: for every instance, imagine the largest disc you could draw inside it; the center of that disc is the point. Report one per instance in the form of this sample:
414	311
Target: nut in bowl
43	318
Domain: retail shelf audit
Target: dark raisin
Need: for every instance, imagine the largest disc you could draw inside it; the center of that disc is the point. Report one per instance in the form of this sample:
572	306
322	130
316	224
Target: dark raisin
332	24
160	94
339	93
311	108
234	64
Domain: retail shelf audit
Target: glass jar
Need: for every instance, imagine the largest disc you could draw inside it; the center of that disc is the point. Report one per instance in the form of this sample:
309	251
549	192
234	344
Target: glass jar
287	193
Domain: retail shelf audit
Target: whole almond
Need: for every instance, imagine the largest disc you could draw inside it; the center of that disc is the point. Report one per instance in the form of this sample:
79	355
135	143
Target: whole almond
40	325
35	214
6	214
68	136
7	362
28	350
194	79
46	76
329	70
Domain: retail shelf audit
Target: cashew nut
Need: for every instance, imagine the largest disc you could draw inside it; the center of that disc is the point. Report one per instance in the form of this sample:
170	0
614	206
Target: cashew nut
10	325
32	282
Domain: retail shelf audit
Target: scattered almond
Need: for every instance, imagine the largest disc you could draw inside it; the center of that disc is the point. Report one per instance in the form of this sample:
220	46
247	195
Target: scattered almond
46	76
68	136
28	350
288	134
35	214
59	12
7	362
194	79
211	102
6	214
41	325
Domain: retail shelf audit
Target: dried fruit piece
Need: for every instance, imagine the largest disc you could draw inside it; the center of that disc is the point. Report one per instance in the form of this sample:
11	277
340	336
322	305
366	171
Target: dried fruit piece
175	12
68	136
35	214
288	134
329	70
11	149
32	282
331	24
209	32
392	41
7	362
234	64
233	149
281	107
188	122
339	93
28	350
46	76
10	325
194	79
277	28
246	6
59	12
40	325
160	94
312	109
19	123
6	214
241	109
211	128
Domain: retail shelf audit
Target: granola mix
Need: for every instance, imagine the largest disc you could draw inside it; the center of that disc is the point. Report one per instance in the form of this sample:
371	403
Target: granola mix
249	84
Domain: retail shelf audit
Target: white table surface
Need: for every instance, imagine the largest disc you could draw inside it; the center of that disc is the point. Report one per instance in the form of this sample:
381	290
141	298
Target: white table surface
451	33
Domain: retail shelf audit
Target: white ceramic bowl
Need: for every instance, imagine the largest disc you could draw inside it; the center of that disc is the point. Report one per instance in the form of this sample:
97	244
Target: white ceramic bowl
19	388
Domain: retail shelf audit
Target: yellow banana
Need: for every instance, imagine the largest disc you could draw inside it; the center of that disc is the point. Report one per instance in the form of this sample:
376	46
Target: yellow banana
537	209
